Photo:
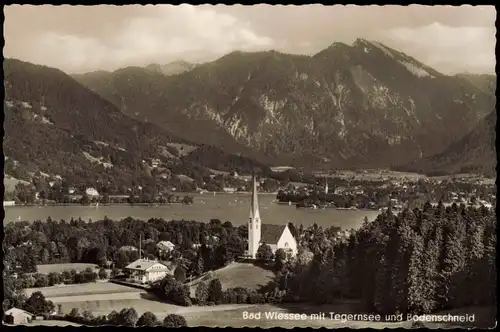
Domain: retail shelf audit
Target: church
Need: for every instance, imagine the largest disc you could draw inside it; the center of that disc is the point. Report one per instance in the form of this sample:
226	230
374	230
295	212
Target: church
276	236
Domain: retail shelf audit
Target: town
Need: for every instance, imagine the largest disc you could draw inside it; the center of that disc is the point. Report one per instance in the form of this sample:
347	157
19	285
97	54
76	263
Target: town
372	189
178	262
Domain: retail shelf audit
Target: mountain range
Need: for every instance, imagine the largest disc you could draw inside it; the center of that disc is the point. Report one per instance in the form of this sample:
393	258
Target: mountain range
359	105
363	105
56	126
473	153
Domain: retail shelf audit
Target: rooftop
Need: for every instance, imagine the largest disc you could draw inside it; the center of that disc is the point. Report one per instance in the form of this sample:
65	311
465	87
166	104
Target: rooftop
144	264
17	311
270	234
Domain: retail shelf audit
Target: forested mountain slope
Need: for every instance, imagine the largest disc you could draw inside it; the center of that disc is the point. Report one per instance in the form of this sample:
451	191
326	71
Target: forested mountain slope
364	105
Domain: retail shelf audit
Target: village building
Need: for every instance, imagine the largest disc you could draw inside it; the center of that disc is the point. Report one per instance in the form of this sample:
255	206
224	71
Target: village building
229	190
91	192
17	316
144	271
128	248
276	236
165	246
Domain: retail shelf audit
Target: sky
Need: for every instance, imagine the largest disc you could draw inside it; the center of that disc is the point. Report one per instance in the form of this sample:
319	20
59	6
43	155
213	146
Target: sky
79	39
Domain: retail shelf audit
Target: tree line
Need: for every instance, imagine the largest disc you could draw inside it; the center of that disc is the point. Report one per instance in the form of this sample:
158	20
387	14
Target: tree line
38	280
200	247
126	317
419	261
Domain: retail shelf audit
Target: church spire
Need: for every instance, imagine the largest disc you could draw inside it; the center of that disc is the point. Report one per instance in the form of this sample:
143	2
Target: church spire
254	222
255	202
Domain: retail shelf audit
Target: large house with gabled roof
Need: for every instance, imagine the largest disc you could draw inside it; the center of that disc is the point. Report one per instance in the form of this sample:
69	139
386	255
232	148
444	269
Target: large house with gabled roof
144	271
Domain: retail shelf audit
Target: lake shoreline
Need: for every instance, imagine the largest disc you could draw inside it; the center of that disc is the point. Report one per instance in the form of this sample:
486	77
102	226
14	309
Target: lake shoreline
93	205
226	207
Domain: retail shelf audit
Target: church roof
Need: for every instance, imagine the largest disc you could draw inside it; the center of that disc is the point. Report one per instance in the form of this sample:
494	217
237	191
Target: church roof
270	234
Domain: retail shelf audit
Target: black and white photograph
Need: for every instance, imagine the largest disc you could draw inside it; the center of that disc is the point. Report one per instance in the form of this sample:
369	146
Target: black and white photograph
249	166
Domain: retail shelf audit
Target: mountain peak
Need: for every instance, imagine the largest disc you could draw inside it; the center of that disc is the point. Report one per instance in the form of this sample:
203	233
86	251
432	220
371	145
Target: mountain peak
335	45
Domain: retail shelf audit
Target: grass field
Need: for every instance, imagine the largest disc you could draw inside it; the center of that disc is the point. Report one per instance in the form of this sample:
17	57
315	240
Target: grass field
10	183
48	268
52	323
95	288
240	275
243	275
102	298
108	297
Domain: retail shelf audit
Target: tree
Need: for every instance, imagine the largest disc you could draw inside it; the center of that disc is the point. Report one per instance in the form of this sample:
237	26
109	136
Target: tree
105	198
180	295
114	318
174	320
180	274
279	259
87	316
102	274
85	199
74	313
215	291
41	280
66	276
147	319
114	272
202	292
265	253
38	305
54	278
127	317
168	284
89	275
197	267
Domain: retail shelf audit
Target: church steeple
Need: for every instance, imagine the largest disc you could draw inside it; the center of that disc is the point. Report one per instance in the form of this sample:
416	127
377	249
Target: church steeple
254	208
254	228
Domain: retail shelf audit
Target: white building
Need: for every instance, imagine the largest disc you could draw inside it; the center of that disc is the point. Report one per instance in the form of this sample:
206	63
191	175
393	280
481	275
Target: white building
165	246
17	316
144	270
276	236
91	192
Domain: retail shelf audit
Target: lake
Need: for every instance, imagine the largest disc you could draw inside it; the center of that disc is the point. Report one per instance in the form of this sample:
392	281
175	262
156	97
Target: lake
225	207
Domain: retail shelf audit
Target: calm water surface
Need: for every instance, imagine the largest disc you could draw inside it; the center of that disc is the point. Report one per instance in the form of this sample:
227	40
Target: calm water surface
234	208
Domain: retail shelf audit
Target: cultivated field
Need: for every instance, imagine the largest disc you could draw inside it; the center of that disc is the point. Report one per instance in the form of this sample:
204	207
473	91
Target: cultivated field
59	268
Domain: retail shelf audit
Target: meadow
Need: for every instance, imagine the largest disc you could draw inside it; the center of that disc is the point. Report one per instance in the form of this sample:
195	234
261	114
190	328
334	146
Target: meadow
94	288
102	298
238	275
